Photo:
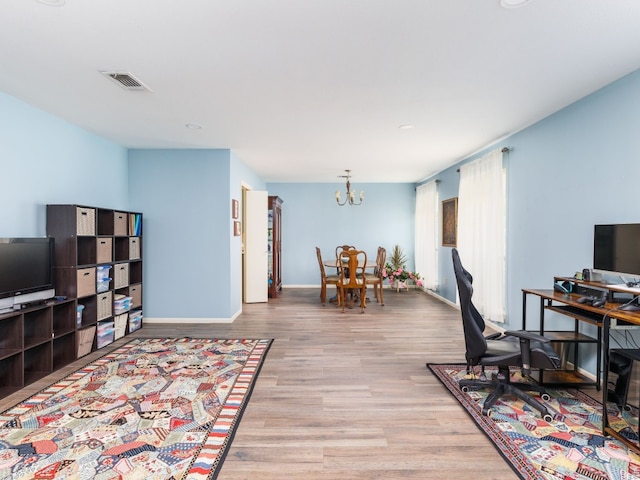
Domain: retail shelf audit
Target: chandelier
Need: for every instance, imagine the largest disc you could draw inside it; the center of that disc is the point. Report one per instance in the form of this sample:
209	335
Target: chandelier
351	195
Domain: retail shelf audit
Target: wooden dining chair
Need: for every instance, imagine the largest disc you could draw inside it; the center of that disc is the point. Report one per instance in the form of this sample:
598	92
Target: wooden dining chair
341	248
325	279
353	279
377	280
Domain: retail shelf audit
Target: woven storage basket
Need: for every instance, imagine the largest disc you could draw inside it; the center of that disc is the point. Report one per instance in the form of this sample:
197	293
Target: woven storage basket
85	221
105	305
85	340
120	275
120	325
120	223
134	248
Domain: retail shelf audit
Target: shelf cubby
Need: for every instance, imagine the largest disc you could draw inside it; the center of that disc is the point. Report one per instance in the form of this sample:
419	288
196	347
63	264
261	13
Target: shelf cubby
11	374
38	327
37	362
64	350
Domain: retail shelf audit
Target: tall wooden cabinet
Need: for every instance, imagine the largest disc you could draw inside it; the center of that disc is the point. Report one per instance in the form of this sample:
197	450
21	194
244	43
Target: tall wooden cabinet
275	245
98	261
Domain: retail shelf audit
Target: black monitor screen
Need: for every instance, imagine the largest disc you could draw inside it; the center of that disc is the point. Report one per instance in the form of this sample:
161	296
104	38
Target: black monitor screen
616	248
25	265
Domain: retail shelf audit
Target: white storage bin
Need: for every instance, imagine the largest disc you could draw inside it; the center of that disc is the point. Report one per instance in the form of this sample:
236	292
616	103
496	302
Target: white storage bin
102	272
135	320
106	331
103	285
79	315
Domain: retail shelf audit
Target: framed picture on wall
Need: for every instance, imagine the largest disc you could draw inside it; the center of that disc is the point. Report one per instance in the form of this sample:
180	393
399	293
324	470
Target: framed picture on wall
450	222
234	208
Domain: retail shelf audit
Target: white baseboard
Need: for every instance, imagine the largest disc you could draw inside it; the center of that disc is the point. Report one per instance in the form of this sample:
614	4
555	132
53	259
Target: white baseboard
187	320
442	299
199	320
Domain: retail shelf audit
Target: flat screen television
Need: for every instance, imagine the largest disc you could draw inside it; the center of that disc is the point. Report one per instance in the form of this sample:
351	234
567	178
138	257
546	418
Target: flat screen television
26	271
616	248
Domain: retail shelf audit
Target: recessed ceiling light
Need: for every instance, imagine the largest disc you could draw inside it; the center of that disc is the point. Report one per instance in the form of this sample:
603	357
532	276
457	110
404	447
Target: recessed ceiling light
193	126
513	3
406	126
52	3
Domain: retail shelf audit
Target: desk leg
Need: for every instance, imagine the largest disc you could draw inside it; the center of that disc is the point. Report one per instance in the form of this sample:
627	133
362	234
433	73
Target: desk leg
542	316
599	361
524	310
605	372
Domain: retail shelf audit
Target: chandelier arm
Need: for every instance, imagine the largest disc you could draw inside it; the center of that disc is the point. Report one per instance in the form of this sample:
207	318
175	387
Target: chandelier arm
350	196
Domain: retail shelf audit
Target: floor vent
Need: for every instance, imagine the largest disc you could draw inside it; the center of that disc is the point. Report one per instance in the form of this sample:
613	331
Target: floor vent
126	80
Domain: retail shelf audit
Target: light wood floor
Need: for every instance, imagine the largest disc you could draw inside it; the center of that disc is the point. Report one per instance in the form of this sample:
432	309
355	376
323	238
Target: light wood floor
346	396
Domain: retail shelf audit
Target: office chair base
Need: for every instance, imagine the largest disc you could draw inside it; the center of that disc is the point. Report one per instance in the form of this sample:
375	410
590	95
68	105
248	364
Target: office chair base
501	385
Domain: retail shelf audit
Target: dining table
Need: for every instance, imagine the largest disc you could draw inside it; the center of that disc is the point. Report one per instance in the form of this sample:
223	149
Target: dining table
334	264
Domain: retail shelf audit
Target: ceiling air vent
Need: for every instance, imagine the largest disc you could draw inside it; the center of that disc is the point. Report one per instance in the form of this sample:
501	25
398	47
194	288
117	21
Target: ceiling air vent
126	80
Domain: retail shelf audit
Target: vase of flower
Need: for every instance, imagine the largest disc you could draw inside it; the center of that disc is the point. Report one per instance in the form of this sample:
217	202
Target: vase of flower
396	272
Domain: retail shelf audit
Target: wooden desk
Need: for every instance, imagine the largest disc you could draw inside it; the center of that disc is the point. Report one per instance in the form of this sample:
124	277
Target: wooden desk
567	304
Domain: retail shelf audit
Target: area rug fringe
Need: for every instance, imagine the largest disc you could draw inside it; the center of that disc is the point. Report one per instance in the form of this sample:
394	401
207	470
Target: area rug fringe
570	447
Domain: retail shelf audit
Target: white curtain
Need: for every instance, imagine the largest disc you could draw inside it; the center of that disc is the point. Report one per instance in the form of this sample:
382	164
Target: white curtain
481	231
426	234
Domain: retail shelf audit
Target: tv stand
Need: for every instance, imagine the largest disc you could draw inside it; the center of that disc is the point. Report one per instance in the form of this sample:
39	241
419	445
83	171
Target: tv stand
35	341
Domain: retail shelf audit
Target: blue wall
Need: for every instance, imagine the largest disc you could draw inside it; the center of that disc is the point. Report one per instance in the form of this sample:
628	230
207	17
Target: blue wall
193	263
311	217
47	160
566	173
184	195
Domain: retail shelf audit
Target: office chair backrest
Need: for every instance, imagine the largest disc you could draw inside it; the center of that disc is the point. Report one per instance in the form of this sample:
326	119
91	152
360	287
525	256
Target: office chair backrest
472	321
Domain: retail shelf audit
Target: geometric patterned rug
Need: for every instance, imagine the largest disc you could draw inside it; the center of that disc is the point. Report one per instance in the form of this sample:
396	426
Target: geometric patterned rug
151	409
571	446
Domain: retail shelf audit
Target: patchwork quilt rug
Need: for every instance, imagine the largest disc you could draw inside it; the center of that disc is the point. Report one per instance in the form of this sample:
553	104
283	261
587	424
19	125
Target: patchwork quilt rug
570	447
152	409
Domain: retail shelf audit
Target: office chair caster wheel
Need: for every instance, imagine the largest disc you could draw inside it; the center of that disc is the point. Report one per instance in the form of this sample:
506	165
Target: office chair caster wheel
488	412
546	397
548	418
465	389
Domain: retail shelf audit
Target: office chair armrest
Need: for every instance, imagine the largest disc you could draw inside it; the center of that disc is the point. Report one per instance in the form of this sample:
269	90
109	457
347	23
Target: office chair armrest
523	334
493	336
525	346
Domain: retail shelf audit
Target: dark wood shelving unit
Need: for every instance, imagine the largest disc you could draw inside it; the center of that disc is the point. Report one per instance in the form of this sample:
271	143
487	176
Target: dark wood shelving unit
34	342
89	240
40	339
275	246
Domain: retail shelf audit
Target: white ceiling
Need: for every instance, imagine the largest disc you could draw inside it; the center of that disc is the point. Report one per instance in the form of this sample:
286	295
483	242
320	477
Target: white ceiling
300	90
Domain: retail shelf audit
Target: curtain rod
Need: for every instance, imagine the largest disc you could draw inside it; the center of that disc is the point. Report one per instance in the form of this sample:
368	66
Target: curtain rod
504	150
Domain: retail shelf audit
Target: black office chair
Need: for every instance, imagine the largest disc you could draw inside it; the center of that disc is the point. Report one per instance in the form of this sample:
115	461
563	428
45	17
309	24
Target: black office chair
522	349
